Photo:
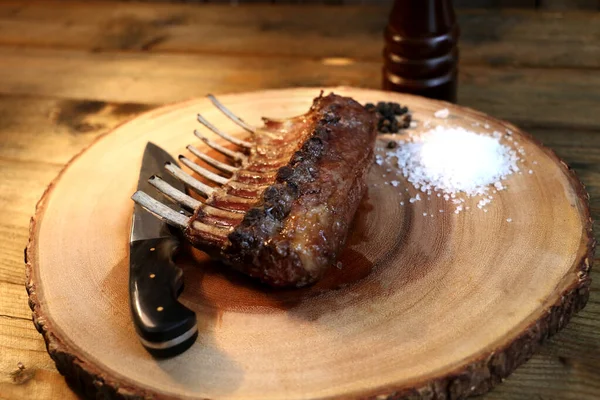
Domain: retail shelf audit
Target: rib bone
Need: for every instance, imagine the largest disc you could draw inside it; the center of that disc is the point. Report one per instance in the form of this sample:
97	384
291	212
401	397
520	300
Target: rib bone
160	210
202	171
223	150
211	161
174	194
231	115
189	180
229	138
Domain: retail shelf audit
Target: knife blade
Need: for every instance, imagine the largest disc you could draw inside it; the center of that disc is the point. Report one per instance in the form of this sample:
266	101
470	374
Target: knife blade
164	326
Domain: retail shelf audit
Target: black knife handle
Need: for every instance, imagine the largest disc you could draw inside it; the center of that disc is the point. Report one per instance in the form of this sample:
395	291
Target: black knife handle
165	326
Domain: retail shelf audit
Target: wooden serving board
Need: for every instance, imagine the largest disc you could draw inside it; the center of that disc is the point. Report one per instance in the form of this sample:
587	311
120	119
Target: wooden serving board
430	307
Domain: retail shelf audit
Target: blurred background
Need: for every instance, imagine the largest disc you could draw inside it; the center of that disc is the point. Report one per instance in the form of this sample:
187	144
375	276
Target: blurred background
543	4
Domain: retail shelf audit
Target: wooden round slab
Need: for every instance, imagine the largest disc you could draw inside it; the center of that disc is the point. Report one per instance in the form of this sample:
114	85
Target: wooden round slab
426	306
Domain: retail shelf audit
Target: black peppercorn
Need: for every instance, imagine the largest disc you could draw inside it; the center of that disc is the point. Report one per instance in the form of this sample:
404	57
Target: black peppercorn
387	113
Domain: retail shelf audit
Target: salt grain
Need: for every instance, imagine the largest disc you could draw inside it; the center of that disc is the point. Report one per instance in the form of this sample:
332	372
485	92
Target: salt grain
483	202
456	163
443	113
453	160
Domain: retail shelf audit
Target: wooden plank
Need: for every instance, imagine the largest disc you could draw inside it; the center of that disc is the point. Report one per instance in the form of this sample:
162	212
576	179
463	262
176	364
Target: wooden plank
457	3
572	145
192	28
21	186
560	4
13	301
530	38
163	78
52	130
570	4
494	3
580	150
520	38
525	96
21	345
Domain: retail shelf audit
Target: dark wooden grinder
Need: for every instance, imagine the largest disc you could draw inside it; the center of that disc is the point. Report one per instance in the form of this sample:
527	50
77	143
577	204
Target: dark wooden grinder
421	53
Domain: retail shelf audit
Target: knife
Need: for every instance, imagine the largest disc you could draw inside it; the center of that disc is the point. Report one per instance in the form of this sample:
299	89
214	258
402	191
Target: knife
164	326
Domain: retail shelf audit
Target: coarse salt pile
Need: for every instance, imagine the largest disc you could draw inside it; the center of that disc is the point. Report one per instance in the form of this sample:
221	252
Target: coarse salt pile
454	160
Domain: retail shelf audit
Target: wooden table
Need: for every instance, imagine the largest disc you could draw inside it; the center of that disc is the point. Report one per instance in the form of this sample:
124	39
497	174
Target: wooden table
70	71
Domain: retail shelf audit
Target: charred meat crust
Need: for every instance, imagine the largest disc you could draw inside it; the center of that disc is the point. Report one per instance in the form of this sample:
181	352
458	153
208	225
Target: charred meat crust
257	245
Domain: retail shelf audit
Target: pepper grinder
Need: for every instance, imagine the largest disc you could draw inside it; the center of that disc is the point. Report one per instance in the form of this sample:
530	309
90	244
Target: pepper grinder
421	53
